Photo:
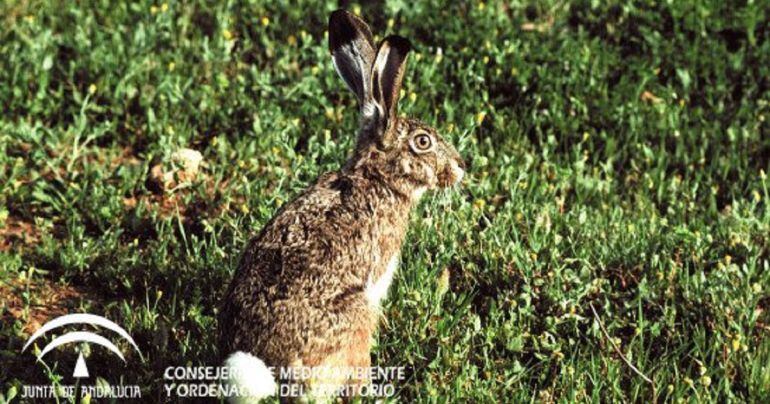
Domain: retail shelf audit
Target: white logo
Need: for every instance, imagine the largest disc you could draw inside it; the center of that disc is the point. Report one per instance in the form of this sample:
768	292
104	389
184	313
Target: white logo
81	370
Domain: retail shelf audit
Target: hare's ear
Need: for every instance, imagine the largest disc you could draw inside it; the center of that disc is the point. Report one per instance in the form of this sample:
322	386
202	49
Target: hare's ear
352	49
387	74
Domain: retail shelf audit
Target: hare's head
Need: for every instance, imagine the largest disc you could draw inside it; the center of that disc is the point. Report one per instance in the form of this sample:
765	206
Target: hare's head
406	153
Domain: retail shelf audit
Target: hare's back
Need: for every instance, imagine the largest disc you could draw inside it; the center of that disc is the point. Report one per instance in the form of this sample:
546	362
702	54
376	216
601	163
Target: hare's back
304	274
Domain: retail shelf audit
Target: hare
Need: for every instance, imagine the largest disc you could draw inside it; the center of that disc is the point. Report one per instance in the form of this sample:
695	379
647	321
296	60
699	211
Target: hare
308	288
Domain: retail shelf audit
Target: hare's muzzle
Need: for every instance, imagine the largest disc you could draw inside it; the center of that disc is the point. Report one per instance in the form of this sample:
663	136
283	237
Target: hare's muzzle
458	171
452	174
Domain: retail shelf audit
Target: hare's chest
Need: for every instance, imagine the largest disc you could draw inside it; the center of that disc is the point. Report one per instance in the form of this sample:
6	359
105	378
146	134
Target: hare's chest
377	289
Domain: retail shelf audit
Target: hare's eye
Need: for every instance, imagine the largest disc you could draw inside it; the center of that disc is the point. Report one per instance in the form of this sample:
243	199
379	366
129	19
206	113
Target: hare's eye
422	142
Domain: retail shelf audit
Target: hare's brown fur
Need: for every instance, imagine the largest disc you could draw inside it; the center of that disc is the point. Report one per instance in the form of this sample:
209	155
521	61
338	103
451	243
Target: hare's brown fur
299	296
304	276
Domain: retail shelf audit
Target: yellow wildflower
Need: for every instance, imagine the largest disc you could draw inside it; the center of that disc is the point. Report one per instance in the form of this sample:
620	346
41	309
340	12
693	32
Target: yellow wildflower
443	282
480	117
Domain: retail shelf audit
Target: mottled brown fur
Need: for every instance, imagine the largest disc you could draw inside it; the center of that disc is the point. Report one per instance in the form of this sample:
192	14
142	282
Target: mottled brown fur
299	294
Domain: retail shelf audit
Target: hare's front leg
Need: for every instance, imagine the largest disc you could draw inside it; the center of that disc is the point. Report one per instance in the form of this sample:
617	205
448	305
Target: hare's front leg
346	370
359	362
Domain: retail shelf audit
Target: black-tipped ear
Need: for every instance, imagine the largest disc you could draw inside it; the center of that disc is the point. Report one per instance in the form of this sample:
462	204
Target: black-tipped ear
387	74
352	49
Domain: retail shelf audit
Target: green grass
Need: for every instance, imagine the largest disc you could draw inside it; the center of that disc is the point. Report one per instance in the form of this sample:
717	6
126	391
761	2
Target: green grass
617	158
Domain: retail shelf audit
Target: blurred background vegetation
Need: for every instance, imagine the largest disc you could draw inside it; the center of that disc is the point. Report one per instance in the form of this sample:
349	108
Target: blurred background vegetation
618	154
